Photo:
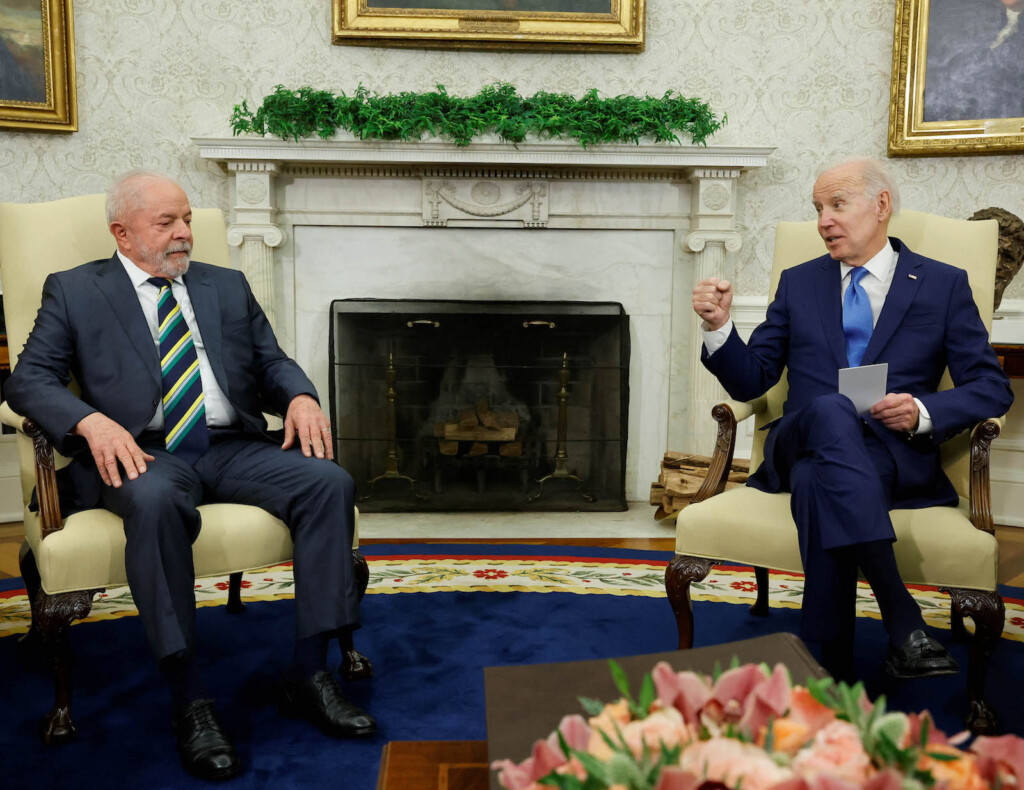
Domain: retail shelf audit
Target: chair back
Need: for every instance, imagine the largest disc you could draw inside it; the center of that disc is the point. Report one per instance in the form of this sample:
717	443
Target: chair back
971	245
37	239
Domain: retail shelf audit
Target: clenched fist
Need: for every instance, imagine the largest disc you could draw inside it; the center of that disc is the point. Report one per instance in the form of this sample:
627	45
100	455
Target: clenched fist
712	299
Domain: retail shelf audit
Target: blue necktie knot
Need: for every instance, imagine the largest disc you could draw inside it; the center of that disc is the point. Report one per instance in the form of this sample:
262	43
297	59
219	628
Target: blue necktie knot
858	320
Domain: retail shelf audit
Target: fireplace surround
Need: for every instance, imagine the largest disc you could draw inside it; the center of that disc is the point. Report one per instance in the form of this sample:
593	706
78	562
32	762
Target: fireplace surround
544	220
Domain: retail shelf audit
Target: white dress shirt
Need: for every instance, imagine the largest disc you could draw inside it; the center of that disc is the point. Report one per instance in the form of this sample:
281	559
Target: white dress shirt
876	286
219	412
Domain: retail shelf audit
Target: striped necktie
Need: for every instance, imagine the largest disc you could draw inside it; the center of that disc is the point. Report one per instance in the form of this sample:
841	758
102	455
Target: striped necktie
185	432
858	320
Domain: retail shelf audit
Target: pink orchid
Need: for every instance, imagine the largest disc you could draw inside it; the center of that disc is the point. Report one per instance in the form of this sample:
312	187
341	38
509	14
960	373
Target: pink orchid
687	692
730	692
546	756
996	755
768	700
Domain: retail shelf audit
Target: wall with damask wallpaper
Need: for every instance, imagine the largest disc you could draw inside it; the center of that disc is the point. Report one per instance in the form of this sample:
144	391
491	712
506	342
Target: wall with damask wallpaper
808	76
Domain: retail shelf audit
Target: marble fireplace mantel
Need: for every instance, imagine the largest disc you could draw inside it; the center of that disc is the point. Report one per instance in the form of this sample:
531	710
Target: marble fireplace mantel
284	193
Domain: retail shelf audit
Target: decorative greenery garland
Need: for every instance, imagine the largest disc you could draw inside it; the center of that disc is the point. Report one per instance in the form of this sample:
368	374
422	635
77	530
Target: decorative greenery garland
497	108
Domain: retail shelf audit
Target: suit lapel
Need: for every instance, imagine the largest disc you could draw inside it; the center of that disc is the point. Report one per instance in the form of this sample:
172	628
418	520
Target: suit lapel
905	281
206	307
116	286
830	308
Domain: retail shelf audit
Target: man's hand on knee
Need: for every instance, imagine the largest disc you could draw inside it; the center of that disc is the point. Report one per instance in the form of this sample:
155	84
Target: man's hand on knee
110	443
897	411
307	422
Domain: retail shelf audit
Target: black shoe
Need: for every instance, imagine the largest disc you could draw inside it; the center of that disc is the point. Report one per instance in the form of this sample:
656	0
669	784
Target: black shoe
319	700
203	748
920	656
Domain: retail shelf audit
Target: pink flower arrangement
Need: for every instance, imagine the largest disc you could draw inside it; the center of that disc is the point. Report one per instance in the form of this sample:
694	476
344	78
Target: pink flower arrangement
750	728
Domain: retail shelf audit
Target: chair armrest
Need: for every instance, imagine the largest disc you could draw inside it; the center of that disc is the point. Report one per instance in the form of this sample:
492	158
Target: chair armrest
981	489
46	470
727	415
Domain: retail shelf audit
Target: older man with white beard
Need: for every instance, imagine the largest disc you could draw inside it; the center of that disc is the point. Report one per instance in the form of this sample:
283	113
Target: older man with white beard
177	363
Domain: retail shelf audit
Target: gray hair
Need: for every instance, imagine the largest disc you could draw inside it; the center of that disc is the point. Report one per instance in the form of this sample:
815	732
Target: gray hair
125	191
877	178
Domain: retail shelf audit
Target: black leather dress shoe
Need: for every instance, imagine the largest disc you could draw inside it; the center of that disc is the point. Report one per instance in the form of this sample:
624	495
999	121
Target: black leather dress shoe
920	656
203	748
319	700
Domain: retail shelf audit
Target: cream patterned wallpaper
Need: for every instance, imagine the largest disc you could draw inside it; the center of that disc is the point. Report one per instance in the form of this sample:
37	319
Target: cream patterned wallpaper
810	77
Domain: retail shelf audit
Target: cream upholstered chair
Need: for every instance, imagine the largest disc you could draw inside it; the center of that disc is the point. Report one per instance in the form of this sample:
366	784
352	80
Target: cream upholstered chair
952	548
65	561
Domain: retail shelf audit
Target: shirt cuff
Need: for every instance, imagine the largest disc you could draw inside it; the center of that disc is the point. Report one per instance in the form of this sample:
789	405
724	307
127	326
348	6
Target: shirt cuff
924	419
714	339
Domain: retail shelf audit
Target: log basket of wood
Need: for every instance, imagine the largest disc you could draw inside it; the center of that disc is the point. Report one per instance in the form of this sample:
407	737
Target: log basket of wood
682	475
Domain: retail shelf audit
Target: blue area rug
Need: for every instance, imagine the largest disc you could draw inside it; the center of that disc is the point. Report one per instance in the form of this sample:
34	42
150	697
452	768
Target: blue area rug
428	651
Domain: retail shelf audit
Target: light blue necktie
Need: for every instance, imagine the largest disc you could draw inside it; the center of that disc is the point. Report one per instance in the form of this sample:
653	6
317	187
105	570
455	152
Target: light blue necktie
857	318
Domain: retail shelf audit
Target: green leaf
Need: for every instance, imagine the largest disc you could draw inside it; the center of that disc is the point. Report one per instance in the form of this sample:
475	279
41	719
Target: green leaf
591	706
647	694
620	679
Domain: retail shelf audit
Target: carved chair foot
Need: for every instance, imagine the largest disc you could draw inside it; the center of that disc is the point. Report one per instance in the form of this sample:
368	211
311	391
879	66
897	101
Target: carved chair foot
982	719
57	728
355	666
680	573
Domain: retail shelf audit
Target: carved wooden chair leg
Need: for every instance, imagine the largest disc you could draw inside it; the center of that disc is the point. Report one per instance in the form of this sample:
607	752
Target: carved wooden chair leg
30	576
354	665
235	604
760	607
679	574
53	615
956	626
987	611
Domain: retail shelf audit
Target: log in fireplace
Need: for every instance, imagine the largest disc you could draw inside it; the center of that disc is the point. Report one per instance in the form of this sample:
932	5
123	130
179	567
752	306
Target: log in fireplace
459	405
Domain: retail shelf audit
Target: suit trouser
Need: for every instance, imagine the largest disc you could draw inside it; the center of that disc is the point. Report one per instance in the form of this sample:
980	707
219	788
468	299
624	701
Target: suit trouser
313	496
841	479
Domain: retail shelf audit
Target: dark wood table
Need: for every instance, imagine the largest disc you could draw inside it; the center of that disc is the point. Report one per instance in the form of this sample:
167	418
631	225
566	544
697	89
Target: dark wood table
1011	357
434	765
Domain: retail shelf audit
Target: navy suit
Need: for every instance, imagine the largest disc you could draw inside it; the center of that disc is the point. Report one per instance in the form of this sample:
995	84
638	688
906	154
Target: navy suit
846	471
91	327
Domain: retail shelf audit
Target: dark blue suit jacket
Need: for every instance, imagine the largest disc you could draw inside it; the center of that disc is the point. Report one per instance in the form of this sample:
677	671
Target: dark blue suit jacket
90	326
929	322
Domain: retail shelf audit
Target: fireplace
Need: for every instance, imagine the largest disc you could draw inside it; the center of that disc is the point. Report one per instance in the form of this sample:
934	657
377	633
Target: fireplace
481	405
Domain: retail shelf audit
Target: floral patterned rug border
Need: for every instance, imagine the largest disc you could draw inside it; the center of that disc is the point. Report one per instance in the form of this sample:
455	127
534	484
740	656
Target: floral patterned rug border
425	573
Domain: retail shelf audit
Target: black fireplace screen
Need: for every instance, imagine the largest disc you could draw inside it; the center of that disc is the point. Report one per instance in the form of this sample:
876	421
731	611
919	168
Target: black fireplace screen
457	405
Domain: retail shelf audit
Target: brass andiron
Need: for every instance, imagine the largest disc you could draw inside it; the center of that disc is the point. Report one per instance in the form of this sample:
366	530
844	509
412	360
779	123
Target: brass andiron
561	456
391	443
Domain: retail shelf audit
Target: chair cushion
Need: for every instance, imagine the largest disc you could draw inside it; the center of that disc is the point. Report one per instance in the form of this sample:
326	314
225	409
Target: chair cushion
89	552
935	546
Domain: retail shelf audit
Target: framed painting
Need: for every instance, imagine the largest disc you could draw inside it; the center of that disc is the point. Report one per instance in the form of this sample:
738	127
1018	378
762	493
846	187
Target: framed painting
37	66
558	25
957	78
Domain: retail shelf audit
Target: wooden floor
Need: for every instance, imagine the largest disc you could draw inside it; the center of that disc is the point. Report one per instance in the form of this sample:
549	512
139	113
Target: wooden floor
1011	548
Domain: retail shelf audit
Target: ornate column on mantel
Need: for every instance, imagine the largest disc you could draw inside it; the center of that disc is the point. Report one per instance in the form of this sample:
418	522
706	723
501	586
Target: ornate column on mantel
253	228
712	234
536	185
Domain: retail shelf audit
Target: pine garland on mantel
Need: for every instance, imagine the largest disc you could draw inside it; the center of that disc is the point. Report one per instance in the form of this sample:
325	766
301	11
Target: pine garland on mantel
496	109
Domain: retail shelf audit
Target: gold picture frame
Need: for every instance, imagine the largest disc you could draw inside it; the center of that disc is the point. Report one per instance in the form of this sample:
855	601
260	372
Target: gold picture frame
552	25
37	66
957	71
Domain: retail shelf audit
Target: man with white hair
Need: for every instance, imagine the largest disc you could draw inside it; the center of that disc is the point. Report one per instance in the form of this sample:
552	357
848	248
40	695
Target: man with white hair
869	300
176	363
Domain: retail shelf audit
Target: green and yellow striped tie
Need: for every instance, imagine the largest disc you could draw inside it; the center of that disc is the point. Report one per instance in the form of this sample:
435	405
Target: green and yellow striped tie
185	429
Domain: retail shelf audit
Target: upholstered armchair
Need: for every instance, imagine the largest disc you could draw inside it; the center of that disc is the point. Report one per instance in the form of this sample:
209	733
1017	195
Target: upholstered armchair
952	548
65	561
